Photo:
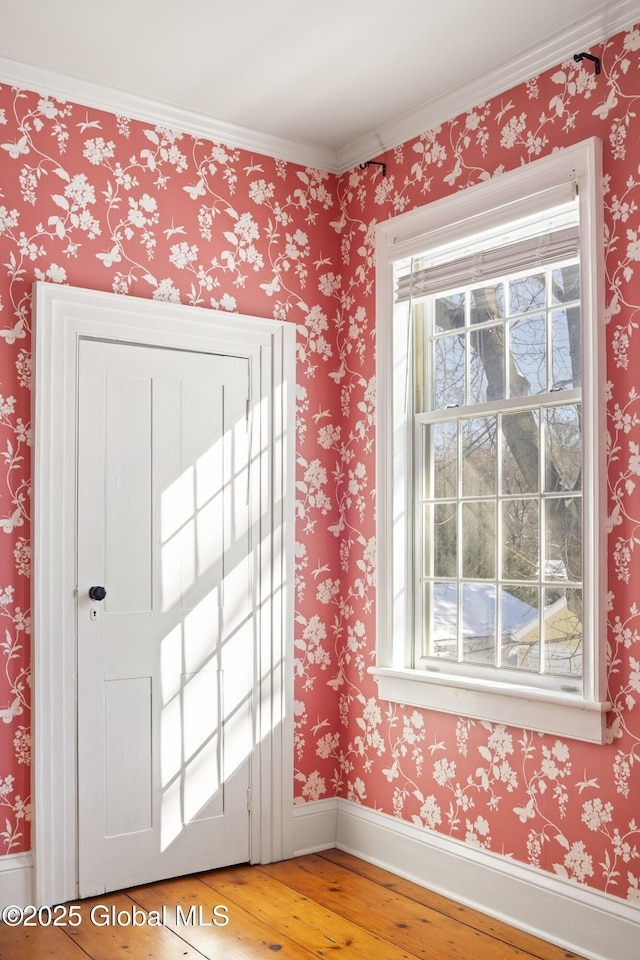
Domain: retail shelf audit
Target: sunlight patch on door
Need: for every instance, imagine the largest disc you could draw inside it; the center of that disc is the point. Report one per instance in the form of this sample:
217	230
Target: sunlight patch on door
201	738
190	746
207	658
202	628
201	782
192	524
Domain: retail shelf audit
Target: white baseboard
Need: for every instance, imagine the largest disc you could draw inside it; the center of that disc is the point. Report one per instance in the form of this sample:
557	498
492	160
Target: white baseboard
315	826
16	880
594	925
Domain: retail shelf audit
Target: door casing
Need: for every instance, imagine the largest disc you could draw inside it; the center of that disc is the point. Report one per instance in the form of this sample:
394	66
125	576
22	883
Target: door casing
62	317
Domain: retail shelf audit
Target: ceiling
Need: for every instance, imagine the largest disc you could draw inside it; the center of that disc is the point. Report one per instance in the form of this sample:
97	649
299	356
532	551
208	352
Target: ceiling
328	83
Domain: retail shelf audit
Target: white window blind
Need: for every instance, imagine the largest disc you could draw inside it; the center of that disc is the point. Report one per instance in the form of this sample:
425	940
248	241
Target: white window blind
529	243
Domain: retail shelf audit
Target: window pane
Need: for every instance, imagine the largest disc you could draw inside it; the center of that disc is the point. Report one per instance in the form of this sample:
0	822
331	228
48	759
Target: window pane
487	303
448	372
565	285
479	540
563	632
449	312
444	457
527	293
486	365
520	540
443	619
528	342
479	623
563	448
520	628
563	552
565	349
445	538
479	457
517	337
520	452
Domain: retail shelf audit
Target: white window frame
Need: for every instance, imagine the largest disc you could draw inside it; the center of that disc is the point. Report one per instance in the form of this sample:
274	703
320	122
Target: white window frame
492	203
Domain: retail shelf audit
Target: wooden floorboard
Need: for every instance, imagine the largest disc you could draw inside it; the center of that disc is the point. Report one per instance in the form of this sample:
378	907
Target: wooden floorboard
449	908
245	935
322	905
393	917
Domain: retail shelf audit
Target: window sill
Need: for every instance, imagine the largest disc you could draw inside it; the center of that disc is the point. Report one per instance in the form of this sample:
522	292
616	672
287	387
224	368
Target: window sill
560	714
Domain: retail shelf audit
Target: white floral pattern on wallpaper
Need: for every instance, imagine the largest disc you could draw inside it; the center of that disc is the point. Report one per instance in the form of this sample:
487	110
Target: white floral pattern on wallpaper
101	201
562	806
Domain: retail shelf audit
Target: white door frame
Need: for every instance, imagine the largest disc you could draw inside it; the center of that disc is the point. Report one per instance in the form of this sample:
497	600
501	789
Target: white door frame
62	317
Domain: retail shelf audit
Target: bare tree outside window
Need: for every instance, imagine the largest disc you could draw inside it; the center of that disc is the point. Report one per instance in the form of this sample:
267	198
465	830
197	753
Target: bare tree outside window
501	565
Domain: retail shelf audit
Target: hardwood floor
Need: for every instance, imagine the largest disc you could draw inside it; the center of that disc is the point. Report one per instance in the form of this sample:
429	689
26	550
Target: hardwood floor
323	905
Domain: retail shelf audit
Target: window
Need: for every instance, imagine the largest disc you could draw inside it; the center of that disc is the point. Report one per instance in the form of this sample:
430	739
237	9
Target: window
490	460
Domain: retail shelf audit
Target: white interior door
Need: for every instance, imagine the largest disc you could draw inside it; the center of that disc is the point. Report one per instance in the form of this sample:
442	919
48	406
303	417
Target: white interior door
166	660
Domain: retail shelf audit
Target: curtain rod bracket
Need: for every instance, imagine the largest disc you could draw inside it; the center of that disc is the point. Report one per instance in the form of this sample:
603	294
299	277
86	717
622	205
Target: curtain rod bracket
378	163
588	56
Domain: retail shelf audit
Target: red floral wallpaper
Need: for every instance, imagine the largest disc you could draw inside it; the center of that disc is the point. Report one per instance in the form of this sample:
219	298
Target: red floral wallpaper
96	200
563	806
100	201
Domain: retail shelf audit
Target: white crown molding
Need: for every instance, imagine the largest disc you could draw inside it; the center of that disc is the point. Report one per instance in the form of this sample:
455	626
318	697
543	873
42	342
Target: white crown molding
611	19
27	76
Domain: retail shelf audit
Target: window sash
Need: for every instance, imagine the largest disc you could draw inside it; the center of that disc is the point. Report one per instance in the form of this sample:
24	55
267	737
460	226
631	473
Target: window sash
488	204
465	644
537	251
549	578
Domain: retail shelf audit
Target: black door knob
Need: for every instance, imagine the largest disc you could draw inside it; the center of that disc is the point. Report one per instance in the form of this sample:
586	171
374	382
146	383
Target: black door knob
97	593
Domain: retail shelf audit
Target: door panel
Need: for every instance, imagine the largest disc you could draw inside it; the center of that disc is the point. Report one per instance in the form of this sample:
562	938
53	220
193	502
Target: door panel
165	662
127	529
128	784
